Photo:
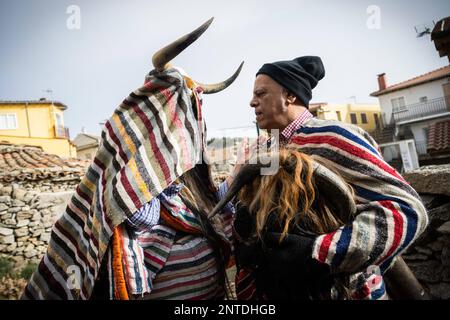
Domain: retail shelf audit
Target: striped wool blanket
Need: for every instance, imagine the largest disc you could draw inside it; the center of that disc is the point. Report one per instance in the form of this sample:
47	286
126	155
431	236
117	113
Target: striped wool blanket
152	138
390	214
173	259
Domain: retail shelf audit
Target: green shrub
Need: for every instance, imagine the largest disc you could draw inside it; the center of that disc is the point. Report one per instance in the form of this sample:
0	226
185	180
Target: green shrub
6	267
28	270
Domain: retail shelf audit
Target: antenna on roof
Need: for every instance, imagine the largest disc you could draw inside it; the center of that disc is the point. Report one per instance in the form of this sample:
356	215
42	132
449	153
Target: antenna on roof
50	93
423	29
354	99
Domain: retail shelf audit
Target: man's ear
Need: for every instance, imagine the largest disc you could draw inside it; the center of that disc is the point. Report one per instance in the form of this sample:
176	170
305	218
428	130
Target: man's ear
292	99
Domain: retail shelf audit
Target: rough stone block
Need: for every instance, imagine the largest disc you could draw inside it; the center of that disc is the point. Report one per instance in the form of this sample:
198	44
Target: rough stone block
5	231
21	232
441	290
22	223
45	237
430	179
428	271
445	228
5	199
31	253
7	239
17	203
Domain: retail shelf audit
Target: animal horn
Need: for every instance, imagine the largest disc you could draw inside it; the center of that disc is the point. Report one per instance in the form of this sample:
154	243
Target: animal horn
216	87
163	56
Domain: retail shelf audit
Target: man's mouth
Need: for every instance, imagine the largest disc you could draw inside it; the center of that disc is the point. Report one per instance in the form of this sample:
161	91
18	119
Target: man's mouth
258	115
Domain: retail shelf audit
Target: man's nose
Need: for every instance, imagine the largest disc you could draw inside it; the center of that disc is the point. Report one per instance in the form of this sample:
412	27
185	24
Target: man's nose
253	103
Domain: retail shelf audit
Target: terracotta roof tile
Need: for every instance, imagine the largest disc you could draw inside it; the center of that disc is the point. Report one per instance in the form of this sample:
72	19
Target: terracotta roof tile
439	138
23	162
427	77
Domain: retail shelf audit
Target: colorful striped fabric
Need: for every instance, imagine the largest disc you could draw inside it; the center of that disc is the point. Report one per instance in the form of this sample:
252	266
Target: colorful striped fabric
152	138
171	262
190	271
390	214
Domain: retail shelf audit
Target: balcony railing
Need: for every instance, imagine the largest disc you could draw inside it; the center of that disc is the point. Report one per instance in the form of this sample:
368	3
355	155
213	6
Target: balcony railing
422	109
421	147
62	132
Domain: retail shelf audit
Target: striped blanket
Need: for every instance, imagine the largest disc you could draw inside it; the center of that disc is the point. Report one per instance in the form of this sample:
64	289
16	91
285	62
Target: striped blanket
390	214
173	259
152	138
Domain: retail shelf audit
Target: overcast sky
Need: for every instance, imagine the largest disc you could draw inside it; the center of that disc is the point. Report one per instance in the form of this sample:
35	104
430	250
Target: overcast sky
93	68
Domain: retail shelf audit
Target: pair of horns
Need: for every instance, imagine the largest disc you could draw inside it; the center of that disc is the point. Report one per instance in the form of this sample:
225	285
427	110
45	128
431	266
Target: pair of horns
329	185
163	56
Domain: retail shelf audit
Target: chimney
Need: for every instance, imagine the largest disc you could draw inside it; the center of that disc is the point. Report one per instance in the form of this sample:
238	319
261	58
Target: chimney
83	130
382	81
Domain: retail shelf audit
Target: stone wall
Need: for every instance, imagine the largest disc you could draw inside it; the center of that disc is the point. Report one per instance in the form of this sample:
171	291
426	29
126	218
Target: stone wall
28	211
26	219
429	256
45	185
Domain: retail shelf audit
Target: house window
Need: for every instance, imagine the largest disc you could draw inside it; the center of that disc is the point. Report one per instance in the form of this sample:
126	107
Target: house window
353	118
426	132
60	132
363	118
423	99
338	115
8	121
377	120
398	103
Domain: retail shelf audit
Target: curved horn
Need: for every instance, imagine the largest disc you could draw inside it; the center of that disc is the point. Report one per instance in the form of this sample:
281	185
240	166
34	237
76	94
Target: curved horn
163	56
216	87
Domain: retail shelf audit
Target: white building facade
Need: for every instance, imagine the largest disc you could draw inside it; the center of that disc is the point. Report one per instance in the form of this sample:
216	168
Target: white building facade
412	106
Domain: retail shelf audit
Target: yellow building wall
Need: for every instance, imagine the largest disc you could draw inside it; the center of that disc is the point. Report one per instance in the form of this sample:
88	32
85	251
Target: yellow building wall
330	112
38	124
59	146
38	128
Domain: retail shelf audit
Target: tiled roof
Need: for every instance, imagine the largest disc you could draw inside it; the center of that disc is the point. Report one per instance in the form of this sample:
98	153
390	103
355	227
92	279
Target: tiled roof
56	103
22	162
427	77
439	138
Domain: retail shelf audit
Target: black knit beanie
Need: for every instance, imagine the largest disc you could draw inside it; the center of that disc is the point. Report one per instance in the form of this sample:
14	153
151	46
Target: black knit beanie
298	76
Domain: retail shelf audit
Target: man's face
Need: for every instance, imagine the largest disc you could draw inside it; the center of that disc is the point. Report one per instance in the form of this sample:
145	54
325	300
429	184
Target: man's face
269	101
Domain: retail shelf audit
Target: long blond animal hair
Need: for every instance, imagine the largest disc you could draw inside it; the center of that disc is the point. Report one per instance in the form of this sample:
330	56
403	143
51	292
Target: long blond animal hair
291	193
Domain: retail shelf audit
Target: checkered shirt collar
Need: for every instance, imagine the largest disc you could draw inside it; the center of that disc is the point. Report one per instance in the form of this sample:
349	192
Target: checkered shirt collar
287	132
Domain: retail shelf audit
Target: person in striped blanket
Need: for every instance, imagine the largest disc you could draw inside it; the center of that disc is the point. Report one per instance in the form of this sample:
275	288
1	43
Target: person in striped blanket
136	226
390	214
